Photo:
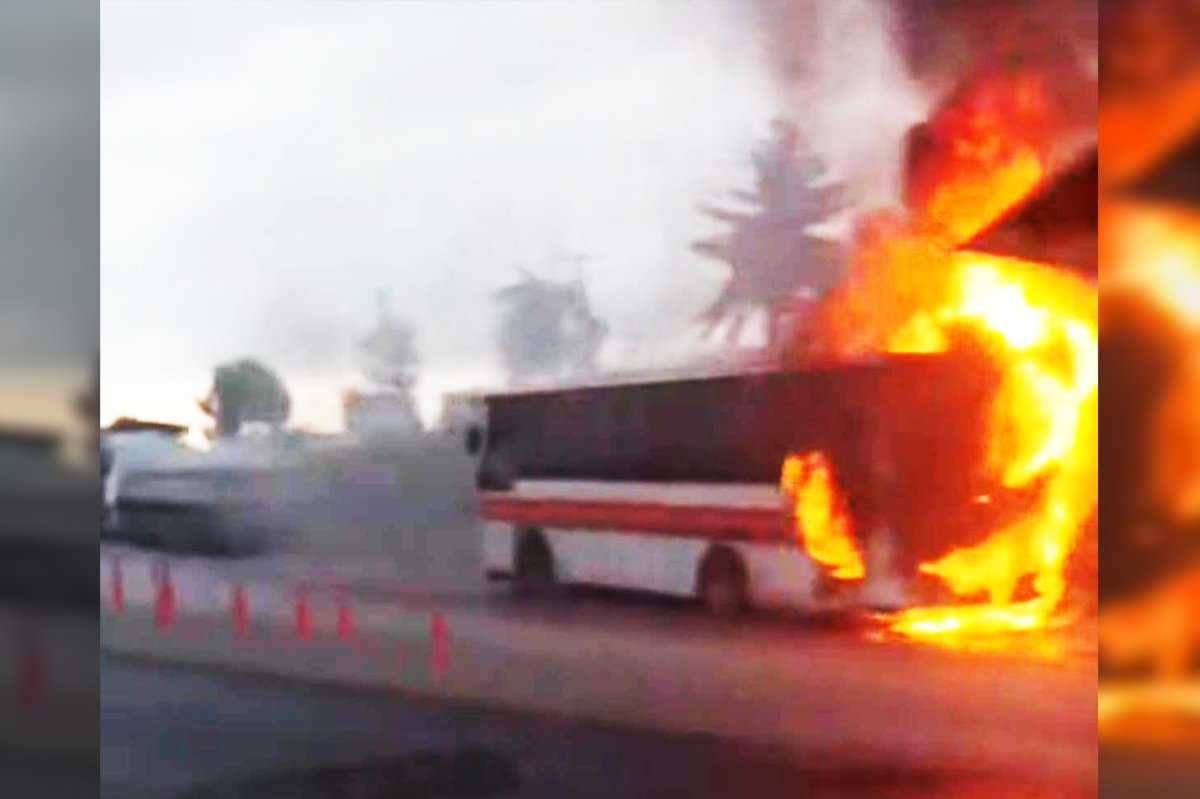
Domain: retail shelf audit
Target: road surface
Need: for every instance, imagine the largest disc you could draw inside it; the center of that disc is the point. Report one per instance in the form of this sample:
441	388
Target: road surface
659	665
170	732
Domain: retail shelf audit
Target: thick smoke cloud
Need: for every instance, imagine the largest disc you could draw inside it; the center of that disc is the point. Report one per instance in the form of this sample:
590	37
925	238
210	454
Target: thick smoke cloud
858	73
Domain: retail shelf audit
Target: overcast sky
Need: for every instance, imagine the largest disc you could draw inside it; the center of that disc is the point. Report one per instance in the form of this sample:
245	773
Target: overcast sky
267	167
49	208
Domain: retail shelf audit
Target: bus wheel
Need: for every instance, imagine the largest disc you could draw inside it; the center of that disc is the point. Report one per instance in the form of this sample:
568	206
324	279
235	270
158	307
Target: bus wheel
534	574
723	583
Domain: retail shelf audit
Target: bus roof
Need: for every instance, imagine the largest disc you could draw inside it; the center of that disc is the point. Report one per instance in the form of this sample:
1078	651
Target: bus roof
686	374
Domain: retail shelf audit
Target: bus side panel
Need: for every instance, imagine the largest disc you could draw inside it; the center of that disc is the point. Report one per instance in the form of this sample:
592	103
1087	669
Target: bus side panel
498	548
782	576
638	561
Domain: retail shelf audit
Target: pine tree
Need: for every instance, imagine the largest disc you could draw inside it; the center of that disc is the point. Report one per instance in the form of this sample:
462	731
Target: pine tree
548	329
773	258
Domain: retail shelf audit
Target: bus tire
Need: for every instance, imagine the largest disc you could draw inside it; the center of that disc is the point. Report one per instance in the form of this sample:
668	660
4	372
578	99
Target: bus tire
723	583
533	575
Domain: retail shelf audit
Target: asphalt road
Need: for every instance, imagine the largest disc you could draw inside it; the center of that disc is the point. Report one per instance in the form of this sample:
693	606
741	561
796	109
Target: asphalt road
170	732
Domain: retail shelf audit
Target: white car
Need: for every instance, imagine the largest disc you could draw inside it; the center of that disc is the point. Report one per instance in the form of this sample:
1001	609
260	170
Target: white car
125	451
160	493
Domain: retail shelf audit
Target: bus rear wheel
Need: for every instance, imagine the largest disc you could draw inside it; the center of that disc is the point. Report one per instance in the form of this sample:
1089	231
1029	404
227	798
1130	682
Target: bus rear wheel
534	573
723	584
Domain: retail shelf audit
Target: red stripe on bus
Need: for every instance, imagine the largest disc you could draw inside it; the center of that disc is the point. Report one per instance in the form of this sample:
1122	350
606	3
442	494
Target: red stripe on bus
643	517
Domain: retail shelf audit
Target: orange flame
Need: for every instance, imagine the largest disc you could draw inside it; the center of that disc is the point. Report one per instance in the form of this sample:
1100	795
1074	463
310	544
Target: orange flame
963	207
1041	327
1159	627
911	291
1155	252
822	523
1038	324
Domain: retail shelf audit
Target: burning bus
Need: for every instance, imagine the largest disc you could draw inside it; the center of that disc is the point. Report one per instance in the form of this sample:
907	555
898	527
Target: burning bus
931	447
804	489
1150	577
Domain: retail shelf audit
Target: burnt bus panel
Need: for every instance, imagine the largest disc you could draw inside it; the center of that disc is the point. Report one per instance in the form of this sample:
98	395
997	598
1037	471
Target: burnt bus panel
934	442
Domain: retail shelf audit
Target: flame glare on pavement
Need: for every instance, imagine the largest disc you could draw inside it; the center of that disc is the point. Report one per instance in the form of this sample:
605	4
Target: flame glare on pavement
821	521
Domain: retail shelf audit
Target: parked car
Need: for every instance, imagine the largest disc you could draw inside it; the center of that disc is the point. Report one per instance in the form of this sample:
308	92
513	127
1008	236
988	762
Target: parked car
126	446
161	493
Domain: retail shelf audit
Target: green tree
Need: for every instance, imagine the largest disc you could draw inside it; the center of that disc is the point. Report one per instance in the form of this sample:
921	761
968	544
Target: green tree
245	391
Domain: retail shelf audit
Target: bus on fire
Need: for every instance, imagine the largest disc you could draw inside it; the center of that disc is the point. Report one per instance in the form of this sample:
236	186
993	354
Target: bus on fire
805	490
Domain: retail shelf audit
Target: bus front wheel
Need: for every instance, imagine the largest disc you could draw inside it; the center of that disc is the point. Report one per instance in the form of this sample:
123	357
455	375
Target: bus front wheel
723	584
534	573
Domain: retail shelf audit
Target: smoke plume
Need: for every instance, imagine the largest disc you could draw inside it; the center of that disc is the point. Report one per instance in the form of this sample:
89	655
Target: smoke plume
857	74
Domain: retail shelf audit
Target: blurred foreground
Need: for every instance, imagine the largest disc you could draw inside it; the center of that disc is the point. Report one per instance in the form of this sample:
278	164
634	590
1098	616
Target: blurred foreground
305	742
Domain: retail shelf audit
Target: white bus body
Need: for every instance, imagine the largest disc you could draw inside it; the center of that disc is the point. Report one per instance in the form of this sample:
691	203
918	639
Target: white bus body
656	538
672	487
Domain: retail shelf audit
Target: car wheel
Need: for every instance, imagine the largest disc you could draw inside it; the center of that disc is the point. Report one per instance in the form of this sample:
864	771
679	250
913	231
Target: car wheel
211	535
139	528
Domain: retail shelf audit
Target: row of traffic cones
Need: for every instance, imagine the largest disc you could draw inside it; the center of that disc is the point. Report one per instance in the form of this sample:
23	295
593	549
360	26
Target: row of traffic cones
166	609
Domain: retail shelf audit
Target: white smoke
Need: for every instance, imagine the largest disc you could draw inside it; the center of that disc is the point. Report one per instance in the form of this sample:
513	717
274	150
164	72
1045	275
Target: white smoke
857	74
846	85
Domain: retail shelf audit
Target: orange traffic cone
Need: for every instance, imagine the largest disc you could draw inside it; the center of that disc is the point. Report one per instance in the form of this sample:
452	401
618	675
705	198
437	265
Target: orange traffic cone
117	584
439	639
345	619
241	612
304	623
164	600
